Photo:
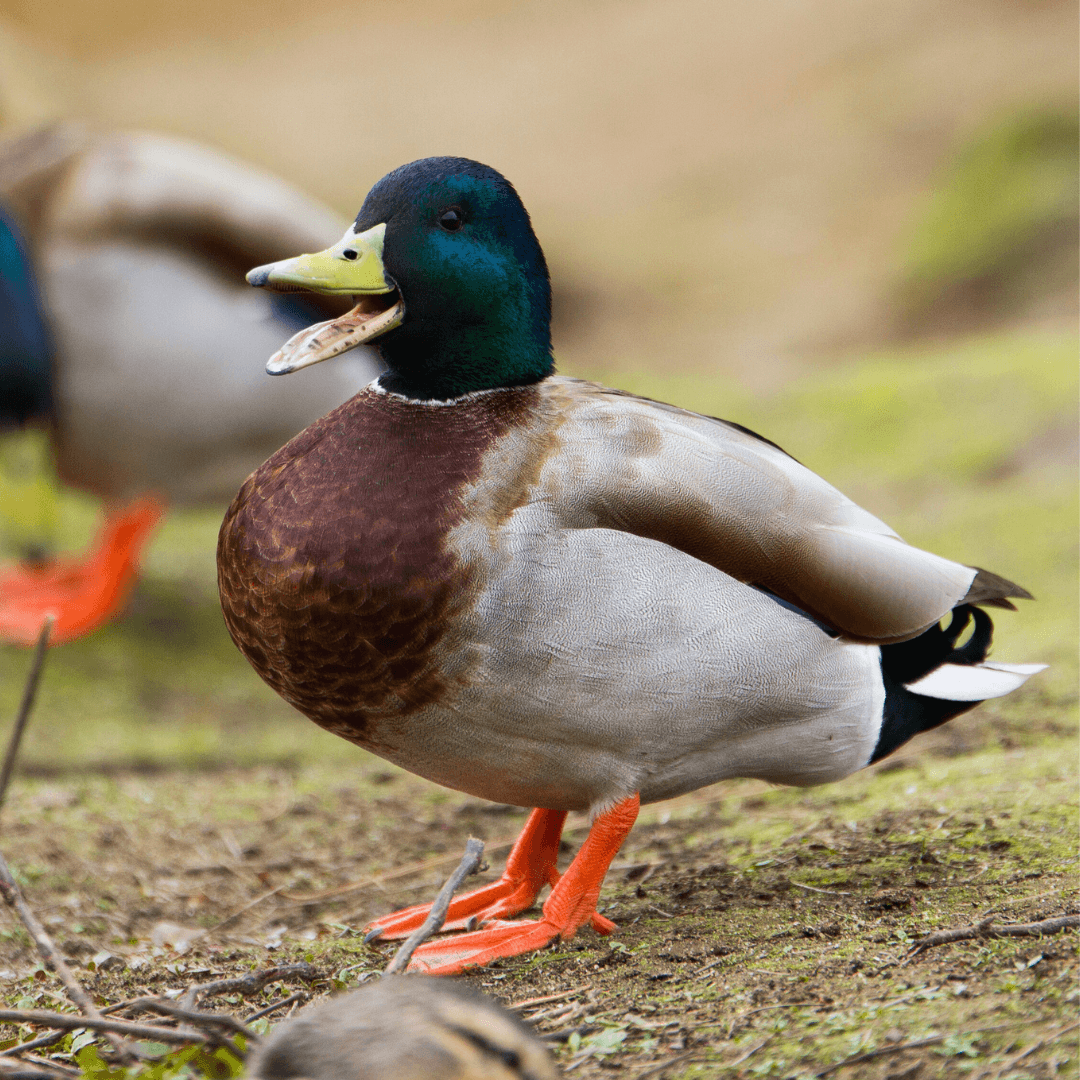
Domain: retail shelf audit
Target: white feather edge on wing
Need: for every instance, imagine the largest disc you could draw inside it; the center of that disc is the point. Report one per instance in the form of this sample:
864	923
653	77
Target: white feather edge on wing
974	682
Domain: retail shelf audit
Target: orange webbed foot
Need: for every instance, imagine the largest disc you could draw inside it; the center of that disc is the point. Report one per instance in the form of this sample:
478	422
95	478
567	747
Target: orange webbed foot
80	593
529	867
572	903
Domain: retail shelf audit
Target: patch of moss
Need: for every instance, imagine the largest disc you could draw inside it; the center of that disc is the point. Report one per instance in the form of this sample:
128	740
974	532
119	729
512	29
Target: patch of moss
1004	202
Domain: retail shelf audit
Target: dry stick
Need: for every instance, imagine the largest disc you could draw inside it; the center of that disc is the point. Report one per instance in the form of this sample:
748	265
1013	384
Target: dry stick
8	888
896	1048
193	1016
766	1008
48	1063
247	984
474	852
695	1055
36	1044
389	875
1020	900
1013	1062
987	929
300	995
15	1069
13	897
528	1003
71	1022
33	677
240	911
814	888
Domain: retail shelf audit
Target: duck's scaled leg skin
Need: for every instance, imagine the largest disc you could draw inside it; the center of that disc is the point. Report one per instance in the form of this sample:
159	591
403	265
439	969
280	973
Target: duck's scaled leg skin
81	593
572	903
529	867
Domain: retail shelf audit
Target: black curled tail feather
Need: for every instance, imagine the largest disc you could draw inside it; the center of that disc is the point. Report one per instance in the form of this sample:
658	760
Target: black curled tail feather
907	713
909	661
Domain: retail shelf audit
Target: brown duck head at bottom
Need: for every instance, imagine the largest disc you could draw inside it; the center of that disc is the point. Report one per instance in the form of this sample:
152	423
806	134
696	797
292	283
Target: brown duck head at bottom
404	1028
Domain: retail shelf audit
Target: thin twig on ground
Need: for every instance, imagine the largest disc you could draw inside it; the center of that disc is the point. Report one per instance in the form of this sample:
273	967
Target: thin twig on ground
193	1016
71	1022
247	984
474	852
1008	1066
48	1063
243	910
917	1044
389	875
36	1044
528	1003
13	897
767	1008
662	1067
987	929
26	706
12	1068
1020	900
696	1055
292	999
825	892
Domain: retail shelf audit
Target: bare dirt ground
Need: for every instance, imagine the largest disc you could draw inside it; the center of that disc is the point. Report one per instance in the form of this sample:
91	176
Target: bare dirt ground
761	931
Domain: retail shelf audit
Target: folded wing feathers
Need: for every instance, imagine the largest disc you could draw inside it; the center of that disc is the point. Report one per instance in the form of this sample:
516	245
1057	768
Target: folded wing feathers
991	590
738	502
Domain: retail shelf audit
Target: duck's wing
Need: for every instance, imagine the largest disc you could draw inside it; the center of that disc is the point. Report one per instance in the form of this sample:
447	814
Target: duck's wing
161	189
69	184
32	167
725	495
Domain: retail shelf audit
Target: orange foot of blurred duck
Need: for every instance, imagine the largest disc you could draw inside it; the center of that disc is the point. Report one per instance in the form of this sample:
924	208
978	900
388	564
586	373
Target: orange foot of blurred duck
80	593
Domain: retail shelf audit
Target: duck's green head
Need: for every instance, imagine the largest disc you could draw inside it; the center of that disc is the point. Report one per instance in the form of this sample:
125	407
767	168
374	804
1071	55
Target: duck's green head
450	279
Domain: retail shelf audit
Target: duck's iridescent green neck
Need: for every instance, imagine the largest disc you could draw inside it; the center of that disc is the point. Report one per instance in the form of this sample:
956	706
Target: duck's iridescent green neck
485	357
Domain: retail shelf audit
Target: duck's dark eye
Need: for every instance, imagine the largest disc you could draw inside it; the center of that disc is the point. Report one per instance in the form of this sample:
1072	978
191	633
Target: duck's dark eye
451	220
349	254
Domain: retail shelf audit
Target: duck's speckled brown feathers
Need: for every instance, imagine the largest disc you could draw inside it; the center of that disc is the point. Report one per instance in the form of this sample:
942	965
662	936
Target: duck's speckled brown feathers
335	578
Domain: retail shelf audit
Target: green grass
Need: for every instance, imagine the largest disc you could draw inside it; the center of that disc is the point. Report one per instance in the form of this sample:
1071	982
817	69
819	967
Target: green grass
967	449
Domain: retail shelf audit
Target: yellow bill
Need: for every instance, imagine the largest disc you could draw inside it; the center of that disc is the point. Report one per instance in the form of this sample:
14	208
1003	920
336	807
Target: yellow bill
353	266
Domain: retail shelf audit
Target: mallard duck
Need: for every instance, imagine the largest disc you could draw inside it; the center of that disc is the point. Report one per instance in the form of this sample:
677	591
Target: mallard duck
139	243
404	1028
540	591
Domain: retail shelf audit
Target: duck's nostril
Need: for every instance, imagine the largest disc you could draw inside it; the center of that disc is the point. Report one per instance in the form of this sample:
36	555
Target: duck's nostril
349	254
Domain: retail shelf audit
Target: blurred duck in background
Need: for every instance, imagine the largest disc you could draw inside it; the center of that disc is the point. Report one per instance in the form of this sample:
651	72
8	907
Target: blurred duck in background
404	1028
129	338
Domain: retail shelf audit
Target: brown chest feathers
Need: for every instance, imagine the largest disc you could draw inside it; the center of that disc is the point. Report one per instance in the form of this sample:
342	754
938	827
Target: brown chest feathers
335	578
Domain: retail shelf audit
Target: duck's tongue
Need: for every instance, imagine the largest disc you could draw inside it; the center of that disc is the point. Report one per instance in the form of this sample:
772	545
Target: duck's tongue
370	318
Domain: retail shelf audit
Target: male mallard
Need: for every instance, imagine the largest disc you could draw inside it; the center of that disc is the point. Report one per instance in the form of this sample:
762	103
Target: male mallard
404	1028
543	592
137	241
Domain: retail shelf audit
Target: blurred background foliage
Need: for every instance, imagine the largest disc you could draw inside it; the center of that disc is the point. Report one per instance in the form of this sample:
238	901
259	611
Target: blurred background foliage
852	227
1000	228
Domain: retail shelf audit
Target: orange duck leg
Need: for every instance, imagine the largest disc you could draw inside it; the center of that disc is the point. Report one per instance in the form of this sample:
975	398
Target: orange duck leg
529	867
80	593
572	902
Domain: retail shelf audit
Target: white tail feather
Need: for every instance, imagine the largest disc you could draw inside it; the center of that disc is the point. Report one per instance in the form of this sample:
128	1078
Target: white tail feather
973	682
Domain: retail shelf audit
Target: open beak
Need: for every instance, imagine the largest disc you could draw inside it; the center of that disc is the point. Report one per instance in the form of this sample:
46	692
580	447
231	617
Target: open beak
353	266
